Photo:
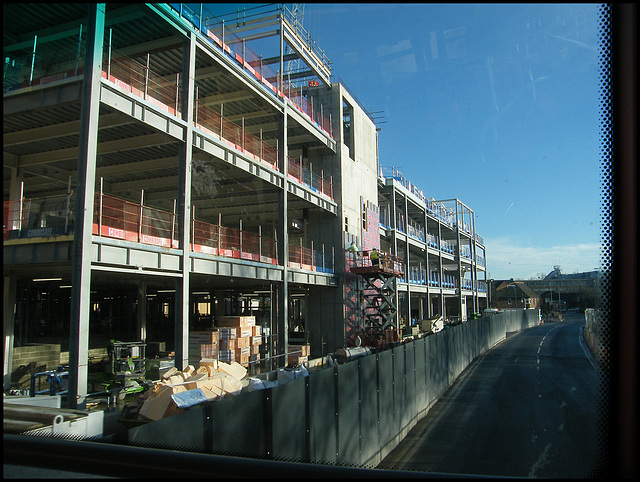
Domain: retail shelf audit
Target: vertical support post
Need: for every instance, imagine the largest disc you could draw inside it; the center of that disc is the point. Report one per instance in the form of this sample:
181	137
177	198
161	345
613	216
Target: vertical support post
193	227
184	205
219	232
243	134
221	115
66	215
173	223
146	78
87	154
195	110
78	51
100	207
141	214
260	242
33	58
241	247
109	55
178	91
21	205
283	243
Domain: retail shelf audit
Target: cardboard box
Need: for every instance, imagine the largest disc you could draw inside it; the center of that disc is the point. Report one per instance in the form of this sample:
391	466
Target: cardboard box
256	340
227	356
243	359
158	402
196	381
169	373
245	350
233	369
242	342
211	364
209	351
255	349
299	350
244	331
226	333
205	336
235	321
228	344
297	360
257	330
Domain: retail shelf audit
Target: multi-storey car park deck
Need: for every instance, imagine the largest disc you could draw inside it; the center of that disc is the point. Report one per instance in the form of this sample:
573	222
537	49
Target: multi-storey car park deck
160	173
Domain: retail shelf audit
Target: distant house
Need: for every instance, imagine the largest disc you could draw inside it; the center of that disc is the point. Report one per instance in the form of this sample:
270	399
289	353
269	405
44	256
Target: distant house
577	290
504	296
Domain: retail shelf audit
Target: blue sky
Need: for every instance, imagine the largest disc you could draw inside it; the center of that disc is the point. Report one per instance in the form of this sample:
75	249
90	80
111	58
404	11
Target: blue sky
496	105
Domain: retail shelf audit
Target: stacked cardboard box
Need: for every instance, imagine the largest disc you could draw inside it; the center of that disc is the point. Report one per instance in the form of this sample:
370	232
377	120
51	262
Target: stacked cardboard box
256	341
236	334
203	344
298	354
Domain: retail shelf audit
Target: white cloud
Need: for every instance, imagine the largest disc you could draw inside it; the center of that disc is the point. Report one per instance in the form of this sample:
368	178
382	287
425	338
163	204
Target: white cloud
506	259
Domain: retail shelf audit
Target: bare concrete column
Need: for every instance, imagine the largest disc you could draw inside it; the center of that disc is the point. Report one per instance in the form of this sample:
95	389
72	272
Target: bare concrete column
87	149
184	204
9	318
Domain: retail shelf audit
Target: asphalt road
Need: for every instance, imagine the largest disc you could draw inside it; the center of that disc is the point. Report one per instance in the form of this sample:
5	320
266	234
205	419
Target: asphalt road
527	408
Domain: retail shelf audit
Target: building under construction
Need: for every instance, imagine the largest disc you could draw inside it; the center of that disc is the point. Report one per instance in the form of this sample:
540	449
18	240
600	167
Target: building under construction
169	165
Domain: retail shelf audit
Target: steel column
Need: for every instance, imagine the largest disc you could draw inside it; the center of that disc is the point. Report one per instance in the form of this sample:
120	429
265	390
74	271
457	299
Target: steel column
87	150
184	205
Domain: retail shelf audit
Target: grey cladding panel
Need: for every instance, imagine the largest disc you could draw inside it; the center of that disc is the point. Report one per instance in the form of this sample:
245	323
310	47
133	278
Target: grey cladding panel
322	414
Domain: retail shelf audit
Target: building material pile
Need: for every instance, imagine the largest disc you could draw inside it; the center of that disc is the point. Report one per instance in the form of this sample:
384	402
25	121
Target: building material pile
212	380
240	339
298	354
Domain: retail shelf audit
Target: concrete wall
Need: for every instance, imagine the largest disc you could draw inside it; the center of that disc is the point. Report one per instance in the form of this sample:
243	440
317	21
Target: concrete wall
352	414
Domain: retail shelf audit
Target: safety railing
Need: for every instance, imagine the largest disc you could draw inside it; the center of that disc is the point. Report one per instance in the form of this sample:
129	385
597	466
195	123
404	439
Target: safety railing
138	79
416	230
389	263
47	63
432	241
310	260
305	175
237	50
228	242
117	218
236	136
447	247
417	275
38	217
130	221
448	280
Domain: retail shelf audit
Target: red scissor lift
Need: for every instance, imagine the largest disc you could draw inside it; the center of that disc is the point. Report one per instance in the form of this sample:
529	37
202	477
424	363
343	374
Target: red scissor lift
378	294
